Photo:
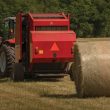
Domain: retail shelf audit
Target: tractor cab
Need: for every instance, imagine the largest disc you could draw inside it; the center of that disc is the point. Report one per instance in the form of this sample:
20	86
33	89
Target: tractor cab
9	24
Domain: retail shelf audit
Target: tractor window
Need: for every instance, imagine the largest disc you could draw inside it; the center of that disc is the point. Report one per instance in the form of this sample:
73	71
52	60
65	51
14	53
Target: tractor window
6	24
10	27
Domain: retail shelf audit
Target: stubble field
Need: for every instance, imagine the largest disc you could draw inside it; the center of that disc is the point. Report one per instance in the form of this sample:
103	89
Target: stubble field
46	95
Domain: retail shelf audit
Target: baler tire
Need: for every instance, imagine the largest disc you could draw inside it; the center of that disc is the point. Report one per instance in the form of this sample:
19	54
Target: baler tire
70	70
18	72
7	52
71	73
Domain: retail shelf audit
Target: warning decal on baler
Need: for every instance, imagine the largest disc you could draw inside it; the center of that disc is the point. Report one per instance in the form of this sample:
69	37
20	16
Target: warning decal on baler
54	47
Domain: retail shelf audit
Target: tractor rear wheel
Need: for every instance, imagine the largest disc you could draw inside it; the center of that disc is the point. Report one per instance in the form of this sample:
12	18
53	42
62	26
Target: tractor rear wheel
7	59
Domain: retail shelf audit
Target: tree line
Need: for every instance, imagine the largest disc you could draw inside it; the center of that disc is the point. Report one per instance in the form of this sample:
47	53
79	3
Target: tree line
89	18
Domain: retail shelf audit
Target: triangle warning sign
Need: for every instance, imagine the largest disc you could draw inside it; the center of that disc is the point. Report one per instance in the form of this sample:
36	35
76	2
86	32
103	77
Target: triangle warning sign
54	47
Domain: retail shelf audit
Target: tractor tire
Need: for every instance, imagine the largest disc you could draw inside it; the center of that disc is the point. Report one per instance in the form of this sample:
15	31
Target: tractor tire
7	59
92	68
18	72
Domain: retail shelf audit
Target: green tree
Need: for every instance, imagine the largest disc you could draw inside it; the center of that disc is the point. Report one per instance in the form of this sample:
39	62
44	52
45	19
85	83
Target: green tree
88	17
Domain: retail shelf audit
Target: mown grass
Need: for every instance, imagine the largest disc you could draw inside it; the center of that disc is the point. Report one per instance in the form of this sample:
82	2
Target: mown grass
46	95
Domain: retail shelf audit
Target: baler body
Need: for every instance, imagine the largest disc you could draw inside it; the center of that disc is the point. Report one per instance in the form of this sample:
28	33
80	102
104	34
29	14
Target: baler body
43	42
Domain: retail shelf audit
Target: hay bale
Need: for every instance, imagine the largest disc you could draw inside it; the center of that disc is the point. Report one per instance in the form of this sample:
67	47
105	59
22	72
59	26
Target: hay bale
92	68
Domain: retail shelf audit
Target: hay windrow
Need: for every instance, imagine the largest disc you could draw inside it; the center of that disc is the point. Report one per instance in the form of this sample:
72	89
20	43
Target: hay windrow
92	68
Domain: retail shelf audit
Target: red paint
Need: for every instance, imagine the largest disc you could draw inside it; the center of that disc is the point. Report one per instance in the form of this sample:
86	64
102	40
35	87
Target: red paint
51	42
20	29
11	41
59	42
45	41
46	21
53	22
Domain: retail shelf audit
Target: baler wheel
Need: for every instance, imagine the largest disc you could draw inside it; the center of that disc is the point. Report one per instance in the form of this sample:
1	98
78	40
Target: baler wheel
92	68
18	72
71	72
7	59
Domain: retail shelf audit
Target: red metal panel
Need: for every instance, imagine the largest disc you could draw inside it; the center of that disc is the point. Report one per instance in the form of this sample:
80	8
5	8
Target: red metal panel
53	35
52	22
11	41
44	42
50	60
64	21
49	46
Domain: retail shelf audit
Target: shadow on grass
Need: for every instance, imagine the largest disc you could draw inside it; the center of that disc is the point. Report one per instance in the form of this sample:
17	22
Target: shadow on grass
42	79
2	80
30	79
70	96
60	96
48	79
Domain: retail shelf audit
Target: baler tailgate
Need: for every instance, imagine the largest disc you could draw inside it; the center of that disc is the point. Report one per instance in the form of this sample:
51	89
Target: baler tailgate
52	45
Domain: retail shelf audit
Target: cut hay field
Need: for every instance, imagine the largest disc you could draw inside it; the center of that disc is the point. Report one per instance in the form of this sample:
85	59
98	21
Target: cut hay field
46	95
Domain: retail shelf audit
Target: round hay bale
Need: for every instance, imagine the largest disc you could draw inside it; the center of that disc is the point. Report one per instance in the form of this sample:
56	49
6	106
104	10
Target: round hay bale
92	68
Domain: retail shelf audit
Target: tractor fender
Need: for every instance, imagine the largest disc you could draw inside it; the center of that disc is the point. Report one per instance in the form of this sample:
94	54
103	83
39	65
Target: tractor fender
11	41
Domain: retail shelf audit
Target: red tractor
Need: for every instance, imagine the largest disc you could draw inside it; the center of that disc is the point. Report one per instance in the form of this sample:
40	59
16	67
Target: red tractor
42	46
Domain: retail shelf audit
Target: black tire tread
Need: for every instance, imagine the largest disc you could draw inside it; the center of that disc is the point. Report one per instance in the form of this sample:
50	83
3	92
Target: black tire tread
10	59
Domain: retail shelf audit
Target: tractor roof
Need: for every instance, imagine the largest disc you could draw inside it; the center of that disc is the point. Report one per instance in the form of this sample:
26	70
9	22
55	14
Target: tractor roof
10	18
